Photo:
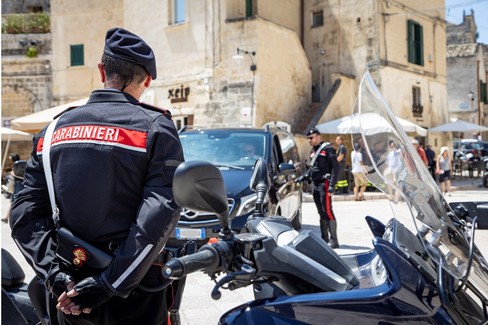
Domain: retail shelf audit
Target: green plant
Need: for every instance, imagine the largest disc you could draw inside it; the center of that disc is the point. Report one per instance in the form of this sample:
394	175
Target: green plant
38	23
12	24
31	52
34	23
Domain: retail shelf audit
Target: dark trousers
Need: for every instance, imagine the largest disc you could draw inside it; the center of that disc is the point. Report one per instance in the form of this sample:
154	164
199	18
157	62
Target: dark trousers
139	307
432	171
323	201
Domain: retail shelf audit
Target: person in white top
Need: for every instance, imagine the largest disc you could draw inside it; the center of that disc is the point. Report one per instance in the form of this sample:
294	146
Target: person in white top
360	181
395	165
444	167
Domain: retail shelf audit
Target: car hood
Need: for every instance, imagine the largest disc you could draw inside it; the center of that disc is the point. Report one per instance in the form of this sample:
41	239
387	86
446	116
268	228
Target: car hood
236	181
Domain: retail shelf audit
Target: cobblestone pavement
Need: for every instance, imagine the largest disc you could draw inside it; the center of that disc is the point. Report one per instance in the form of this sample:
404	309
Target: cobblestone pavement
199	308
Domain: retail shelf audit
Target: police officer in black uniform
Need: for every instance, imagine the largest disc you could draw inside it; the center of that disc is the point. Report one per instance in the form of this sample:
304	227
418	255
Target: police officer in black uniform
324	173
112	162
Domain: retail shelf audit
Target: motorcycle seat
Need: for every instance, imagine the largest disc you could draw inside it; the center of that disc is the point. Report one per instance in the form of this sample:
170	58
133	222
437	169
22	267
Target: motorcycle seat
12	273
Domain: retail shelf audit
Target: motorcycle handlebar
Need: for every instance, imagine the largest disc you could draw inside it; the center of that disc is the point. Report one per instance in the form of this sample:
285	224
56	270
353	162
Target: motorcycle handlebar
206	259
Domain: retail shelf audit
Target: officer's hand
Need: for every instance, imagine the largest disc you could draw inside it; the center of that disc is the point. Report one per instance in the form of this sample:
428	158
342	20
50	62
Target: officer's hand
60	282
90	293
300	179
331	189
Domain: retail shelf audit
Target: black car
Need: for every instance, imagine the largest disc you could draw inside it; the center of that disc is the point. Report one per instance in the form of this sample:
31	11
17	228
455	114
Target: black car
235	151
473	147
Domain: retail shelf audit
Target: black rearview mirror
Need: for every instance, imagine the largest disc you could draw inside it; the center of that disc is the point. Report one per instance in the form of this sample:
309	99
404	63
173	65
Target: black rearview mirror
198	185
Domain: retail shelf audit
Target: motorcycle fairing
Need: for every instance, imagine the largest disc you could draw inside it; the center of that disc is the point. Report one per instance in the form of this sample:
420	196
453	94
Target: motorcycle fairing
405	298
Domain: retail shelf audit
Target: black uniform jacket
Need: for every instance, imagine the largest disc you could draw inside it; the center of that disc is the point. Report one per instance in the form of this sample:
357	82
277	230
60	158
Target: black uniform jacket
113	161
326	163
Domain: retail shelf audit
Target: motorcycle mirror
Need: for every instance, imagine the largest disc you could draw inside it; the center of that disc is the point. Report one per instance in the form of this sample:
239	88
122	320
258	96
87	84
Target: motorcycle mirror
260	174
259	183
198	185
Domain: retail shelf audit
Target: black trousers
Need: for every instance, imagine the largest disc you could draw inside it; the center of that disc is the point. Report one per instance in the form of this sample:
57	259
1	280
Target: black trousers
323	201
139	307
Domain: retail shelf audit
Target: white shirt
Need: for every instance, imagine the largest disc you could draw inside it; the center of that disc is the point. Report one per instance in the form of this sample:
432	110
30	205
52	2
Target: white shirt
356	159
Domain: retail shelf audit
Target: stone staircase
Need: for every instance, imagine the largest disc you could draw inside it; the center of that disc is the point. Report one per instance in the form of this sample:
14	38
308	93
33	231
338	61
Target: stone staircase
310	116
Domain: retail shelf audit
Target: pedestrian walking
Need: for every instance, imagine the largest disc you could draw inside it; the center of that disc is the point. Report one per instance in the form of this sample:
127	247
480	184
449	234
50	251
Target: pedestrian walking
394	168
420	151
112	163
444	167
324	172
360	181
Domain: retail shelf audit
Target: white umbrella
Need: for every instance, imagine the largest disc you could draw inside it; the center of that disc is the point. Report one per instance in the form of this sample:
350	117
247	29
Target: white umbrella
14	135
9	135
35	122
369	122
458	126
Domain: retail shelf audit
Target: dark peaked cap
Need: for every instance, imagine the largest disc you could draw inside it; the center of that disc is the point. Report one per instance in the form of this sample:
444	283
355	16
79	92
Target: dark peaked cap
312	131
122	44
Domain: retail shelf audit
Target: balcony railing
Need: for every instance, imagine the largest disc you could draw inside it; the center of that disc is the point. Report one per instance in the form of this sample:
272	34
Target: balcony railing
417	110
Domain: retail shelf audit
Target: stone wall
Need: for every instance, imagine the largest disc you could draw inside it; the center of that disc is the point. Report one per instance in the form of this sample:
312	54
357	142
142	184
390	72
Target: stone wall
26	86
25	6
26	82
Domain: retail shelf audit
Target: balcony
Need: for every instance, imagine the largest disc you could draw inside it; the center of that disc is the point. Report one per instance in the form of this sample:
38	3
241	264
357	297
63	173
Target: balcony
417	110
33	23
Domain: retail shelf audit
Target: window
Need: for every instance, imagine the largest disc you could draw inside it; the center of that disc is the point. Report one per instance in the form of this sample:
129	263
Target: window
77	55
483	94
178	11
180	121
415	43
417	108
250	8
317	19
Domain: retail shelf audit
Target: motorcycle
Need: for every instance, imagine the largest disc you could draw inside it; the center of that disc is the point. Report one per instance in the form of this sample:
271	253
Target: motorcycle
423	269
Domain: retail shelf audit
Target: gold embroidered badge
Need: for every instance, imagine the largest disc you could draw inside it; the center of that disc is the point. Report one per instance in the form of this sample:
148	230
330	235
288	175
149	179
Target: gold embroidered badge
80	256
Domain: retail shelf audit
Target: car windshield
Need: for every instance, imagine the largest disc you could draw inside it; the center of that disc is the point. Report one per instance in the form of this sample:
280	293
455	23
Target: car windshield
224	148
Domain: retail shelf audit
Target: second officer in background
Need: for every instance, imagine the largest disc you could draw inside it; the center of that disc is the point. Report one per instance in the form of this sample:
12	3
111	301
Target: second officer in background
324	172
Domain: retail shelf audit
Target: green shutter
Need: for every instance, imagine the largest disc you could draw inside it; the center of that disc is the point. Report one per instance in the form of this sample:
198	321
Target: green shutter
410	45
415	40
77	55
483	94
248	8
420	45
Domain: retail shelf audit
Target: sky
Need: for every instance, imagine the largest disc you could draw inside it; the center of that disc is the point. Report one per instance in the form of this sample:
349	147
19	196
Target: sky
454	14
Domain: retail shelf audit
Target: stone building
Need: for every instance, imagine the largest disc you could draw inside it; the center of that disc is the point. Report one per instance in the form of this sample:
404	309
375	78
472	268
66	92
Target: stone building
467	67
196	43
299	62
402	44
26	65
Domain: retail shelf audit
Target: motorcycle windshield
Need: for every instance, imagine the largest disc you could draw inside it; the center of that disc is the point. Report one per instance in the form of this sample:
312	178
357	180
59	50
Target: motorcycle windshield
391	161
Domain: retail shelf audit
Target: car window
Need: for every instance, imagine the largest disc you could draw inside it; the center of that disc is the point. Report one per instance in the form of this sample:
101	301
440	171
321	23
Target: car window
224	147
